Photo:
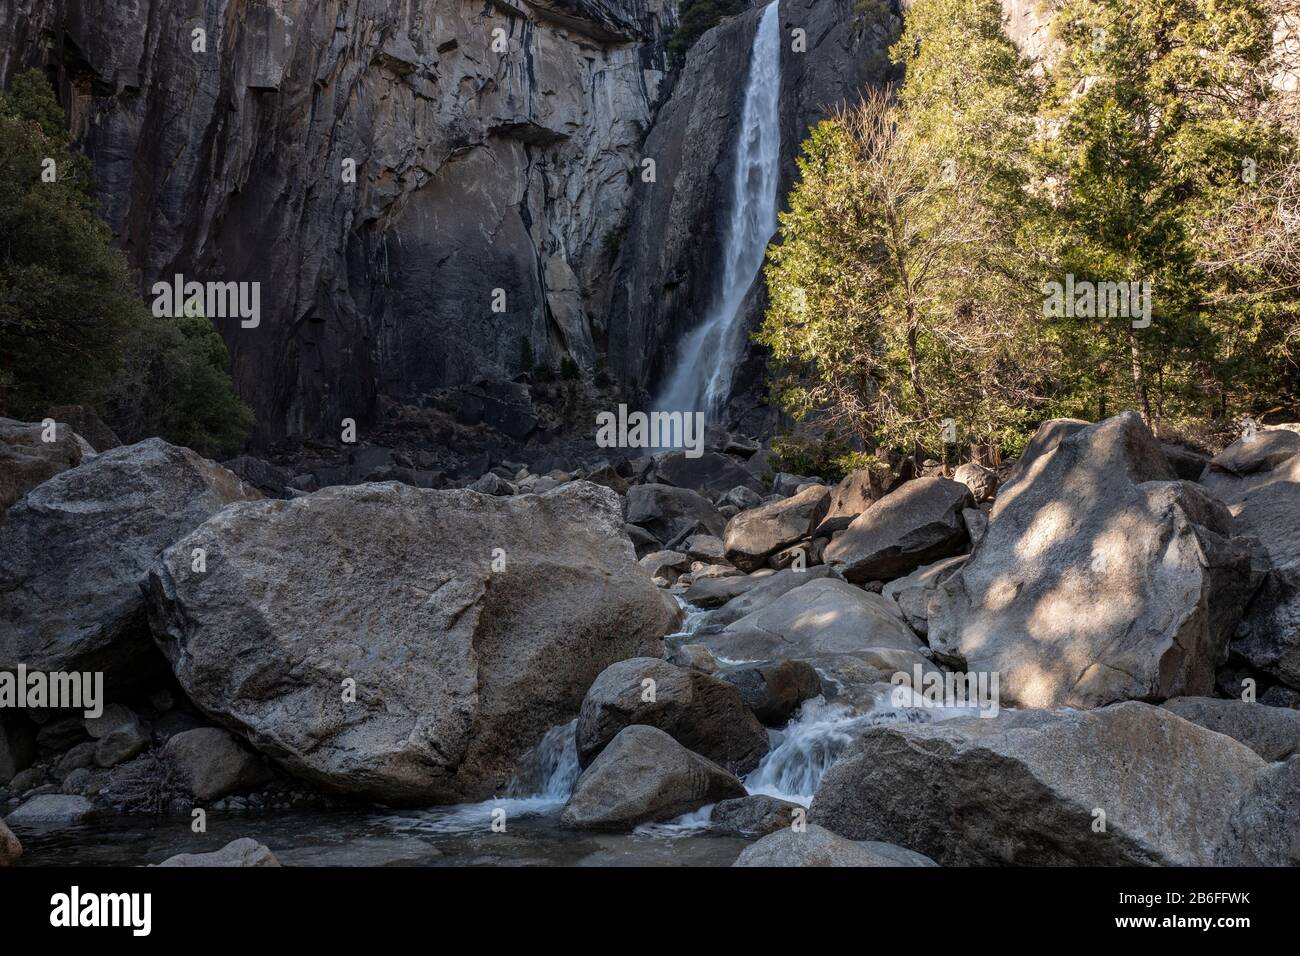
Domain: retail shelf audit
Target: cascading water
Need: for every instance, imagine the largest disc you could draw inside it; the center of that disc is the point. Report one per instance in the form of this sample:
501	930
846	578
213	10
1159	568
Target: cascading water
707	357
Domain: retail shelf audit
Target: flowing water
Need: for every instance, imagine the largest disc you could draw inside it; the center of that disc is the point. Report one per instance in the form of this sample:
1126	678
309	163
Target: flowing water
708	355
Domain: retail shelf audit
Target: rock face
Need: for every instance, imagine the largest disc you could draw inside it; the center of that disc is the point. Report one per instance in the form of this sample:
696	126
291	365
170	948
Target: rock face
1023	788
917	523
76	551
390	591
679	220
1262	830
820	618
817	846
1259	480
1097	515
26	459
213	764
237	853
645	776
702	713
1272	732
477	168
753	535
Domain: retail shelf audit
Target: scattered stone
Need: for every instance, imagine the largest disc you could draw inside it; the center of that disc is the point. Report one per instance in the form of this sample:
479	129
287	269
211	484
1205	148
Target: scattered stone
707	548
49	810
696	656
213	764
855	493
710	474
645	776
785	484
492	484
741	497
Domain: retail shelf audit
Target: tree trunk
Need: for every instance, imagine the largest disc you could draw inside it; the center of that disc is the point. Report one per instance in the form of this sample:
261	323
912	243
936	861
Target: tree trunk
1139	380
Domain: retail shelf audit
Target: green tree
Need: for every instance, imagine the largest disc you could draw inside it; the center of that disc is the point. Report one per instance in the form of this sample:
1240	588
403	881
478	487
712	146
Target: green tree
73	328
900	294
1164	129
697	17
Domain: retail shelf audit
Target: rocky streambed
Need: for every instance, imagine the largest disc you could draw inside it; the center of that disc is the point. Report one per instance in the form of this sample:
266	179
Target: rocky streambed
1087	658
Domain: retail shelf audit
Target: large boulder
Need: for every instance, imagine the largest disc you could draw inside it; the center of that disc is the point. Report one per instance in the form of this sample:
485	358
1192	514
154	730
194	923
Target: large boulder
917	523
464	625
703	713
856	492
773	690
243	852
817	846
1097	516
1129	784
823	617
913	592
26	459
1259	480
1272	732
1264	828
644	776
1049	434
710	473
211	763
670	513
755	815
77	549
752	535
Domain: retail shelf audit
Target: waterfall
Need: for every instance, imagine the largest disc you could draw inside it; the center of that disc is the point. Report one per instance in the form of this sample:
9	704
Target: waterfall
708	355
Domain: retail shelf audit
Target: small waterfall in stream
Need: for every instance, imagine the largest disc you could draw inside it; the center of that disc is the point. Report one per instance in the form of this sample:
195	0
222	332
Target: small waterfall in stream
707	357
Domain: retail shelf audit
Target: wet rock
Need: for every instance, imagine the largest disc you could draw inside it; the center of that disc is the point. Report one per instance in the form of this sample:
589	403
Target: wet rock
49	810
1024	788
917	523
76	551
756	815
815	846
1272	732
1262	830
773	690
467	625
212	763
695	656
700	712
1097	516
645	776
237	853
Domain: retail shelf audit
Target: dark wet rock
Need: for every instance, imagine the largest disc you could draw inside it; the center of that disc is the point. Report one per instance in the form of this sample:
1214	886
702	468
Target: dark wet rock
773	690
756	815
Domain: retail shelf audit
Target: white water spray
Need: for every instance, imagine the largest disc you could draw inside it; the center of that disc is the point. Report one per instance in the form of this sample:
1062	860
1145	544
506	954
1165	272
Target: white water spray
708	355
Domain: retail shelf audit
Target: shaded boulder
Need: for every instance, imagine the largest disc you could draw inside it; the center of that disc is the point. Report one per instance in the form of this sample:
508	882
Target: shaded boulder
773	690
710	474
85	421
492	484
211	763
645	776
265	477
10	848
706	548
755	815
1027	787
701	712
742	498
1272	732
238	853
464	625
1263	494
723	595
856	492
1098	516
913	592
817	846
26	459
753	535
17	745
669	513
820	618
77	549
1263	828
1185	463
917	523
